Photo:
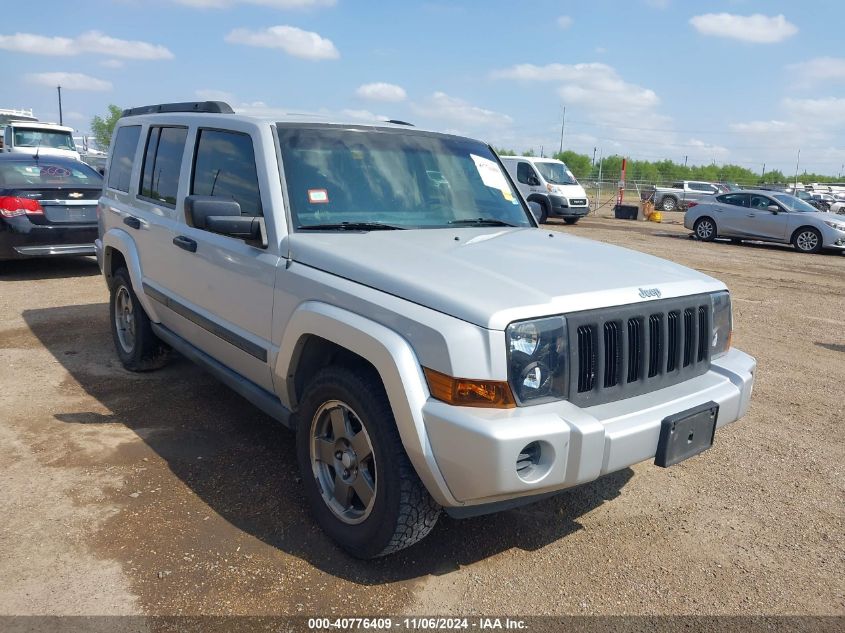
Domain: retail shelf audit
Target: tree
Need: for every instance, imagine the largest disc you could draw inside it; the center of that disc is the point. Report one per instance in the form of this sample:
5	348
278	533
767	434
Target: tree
102	128
579	164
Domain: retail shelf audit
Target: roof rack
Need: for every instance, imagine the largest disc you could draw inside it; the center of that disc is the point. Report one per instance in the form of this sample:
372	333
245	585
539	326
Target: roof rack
208	107
398	122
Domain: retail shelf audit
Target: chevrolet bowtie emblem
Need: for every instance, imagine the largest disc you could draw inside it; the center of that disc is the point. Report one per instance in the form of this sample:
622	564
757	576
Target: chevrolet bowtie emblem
75	194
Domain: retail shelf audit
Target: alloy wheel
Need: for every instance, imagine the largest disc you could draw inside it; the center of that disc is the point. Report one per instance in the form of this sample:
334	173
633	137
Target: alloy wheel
124	319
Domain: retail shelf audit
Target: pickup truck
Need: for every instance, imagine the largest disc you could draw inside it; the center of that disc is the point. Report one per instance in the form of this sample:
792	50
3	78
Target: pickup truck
386	293
679	194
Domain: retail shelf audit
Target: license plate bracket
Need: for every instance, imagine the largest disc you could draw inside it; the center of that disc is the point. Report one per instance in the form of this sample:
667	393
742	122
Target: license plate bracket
686	434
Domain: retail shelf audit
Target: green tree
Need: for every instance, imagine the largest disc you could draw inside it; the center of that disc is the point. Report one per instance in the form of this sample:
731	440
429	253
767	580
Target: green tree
102	128
501	151
579	164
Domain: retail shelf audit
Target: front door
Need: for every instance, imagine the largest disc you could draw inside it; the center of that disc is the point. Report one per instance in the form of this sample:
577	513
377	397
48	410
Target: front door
763	223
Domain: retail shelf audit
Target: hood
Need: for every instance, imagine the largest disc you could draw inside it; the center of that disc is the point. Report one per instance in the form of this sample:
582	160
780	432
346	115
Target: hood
491	277
570	191
46	151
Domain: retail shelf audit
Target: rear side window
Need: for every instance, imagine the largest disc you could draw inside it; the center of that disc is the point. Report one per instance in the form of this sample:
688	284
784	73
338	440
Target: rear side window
162	163
123	153
224	165
735	199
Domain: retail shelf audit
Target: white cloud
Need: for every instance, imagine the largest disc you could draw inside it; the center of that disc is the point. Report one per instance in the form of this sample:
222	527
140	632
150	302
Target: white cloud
817	70
757	28
273	4
112	63
89	42
701	148
451	110
823	113
210	94
364	115
381	91
70	81
294	41
564	21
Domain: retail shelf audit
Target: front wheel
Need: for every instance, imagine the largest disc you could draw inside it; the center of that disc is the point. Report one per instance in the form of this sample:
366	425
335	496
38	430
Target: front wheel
544	213
571	220
362	489
138	348
705	229
807	240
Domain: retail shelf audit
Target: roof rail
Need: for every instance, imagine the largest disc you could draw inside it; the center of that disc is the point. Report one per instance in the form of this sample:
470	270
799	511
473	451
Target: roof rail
209	107
398	122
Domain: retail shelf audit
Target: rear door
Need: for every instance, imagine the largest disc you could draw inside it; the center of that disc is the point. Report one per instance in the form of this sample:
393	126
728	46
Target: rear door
729	211
222	287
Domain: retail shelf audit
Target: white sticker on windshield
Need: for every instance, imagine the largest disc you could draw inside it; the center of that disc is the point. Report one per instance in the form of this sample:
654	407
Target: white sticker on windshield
491	175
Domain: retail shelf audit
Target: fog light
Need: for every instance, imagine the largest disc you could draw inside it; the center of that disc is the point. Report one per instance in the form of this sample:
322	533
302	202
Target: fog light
534	461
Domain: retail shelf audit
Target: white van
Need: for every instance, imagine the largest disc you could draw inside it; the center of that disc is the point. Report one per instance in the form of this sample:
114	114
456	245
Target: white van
45	139
549	182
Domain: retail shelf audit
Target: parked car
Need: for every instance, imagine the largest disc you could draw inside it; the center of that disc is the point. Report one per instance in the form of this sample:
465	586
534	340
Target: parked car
680	194
386	292
823	201
549	183
767	216
48	206
838	208
41	139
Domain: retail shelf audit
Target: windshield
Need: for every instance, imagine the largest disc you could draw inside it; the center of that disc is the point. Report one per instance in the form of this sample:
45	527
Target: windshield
395	178
26	137
46	173
555	173
794	204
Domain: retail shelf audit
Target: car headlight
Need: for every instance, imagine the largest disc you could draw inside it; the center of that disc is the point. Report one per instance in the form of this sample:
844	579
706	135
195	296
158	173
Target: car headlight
722	326
835	225
537	359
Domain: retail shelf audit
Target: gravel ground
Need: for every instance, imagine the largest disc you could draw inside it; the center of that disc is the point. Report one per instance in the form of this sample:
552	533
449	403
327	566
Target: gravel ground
165	493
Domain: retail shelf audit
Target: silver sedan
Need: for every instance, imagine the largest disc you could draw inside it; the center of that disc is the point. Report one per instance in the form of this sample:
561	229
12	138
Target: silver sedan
768	216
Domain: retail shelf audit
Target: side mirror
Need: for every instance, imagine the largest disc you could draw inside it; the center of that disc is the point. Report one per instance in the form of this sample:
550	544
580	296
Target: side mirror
536	210
223	216
533	182
774	208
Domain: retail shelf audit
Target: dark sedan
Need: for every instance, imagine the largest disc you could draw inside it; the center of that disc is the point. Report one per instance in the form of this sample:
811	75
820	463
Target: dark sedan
48	206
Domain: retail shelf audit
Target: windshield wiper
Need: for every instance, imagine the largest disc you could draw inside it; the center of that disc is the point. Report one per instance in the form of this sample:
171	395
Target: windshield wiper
351	226
482	222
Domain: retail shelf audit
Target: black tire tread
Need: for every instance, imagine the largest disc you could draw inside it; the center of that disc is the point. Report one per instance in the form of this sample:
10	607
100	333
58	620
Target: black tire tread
150	351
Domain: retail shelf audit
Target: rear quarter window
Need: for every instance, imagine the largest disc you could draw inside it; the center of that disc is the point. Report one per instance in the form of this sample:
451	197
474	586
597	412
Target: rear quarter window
123	153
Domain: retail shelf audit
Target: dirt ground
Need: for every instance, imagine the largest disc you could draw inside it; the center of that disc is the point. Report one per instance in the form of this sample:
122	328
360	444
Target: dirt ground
166	493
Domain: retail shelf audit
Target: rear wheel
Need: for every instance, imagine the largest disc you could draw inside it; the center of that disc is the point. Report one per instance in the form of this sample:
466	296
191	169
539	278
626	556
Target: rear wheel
705	229
669	203
360	484
571	220
807	240
138	348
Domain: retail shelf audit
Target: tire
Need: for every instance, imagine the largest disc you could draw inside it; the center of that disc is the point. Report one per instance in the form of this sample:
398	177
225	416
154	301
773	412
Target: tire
669	203
705	229
571	220
345	414
544	213
807	240
138	348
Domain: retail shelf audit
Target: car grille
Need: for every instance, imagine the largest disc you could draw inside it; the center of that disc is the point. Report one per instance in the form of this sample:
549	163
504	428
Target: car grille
577	202
619	352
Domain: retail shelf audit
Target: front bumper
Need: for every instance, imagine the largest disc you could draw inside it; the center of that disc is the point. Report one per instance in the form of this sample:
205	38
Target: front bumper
20	238
477	449
833	238
561	207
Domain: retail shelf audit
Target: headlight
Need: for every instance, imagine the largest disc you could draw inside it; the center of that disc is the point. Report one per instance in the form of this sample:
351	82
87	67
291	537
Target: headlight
537	359
722	328
835	225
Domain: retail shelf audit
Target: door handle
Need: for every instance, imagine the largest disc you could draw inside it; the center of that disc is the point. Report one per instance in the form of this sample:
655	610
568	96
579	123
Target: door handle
751	215
132	222
185	243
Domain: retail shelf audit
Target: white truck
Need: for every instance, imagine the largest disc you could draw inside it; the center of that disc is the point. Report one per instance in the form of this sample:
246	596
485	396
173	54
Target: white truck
549	183
42	139
386	293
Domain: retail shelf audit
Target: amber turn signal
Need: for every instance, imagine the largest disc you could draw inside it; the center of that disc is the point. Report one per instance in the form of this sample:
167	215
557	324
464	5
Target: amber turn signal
463	392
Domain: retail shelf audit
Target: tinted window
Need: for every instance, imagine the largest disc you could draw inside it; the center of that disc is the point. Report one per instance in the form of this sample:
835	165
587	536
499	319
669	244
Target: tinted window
736	199
162	162
47	173
524	172
123	154
35	137
224	166
761	202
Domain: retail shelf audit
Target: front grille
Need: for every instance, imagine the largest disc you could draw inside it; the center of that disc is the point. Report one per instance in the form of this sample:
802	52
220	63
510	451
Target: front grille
629	350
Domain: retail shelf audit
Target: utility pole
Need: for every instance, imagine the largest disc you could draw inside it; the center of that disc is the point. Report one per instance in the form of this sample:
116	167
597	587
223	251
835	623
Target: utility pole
593	164
763	175
61	121
797	162
562	127
685	160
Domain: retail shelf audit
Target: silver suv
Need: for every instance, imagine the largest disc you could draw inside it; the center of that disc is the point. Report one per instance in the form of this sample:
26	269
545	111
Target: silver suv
386	293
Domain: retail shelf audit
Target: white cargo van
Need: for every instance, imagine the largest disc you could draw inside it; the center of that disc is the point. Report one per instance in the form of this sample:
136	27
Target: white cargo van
549	183
45	139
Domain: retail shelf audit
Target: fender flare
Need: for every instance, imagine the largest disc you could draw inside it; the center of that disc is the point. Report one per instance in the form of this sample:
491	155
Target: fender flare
397	365
121	241
542	198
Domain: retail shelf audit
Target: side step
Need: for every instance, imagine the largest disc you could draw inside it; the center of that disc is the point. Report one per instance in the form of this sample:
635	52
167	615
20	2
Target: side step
258	396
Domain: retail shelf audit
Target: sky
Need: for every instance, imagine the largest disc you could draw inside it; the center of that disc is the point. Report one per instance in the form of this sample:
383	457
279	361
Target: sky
749	82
